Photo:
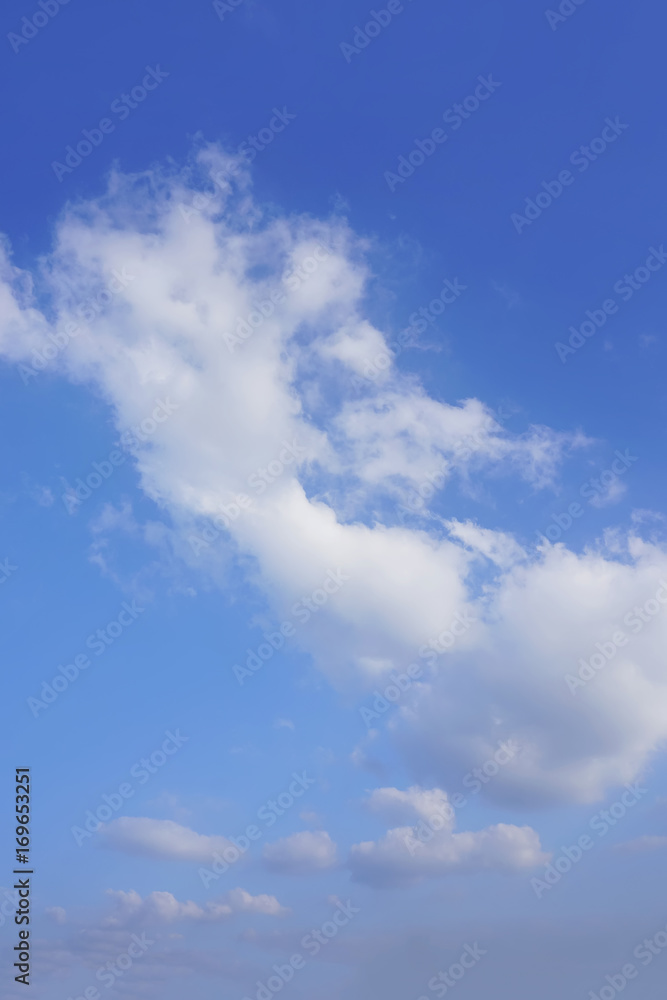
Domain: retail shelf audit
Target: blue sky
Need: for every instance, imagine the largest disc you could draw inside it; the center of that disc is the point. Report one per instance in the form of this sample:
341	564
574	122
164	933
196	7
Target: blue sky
462	540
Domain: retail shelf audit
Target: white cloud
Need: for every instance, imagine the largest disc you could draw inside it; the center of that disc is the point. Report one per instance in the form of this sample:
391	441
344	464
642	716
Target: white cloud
160	838
401	434
353	346
497	546
612	494
161	907
431	848
544	619
170	333
301	853
396	805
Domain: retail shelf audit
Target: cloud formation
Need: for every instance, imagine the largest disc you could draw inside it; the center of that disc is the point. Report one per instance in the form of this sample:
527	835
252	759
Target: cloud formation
163	908
226	342
431	848
159	839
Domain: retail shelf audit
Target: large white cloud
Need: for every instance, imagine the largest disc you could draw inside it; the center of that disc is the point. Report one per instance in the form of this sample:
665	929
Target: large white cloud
546	620
255	380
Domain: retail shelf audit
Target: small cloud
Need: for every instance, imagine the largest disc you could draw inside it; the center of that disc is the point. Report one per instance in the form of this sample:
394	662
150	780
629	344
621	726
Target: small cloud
642	515
301	854
111	518
42	495
57	914
612	494
496	546
340	204
397	806
160	838
162	907
283	724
